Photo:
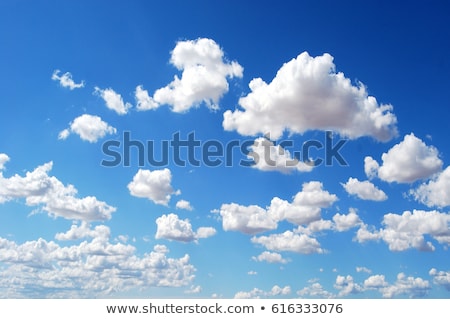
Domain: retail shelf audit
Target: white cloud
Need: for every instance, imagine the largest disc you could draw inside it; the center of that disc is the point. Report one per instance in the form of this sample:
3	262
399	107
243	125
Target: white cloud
246	219
183	204
413	287
304	209
347	286
66	80
268	157
153	185
441	278
144	102
271	258
408	161
375	282
363	269
84	231
308	94
203	79
435	192
315	290
90	128
402	232
256	293
47	192
113	100
364	190
371	167
289	241
172	228
92	269
345	222
3	159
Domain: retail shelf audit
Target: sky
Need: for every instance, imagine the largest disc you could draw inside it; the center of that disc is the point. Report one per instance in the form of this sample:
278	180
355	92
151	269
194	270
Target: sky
194	149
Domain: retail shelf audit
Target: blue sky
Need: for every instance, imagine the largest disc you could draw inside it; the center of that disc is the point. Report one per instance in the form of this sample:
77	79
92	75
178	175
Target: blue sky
274	76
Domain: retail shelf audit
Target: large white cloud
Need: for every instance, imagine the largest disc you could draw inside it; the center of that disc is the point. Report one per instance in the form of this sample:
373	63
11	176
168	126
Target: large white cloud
305	208
436	191
91	269
113	100
364	190
406	162
270	157
402	232
203	79
172	228
153	185
289	241
308	94
40	189
66	80
90	128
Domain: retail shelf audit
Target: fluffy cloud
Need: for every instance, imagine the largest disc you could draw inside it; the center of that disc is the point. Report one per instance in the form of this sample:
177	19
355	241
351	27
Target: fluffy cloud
144	102
3	159
347	286
66	80
441	278
435	192
47	192
153	185
375	282
345	222
315	290
271	258
364	190
172	228
183	204
413	287
304	209
371	167
308	94
405	231
268	157
113	100
289	241
91	269
90	128
256	293
406	162
203	79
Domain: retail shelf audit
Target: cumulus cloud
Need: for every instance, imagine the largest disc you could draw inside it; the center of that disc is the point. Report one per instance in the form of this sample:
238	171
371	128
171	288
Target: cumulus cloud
402	232
184	204
144	102
172	228
90	128
153	185
347	286
412	286
3	159
375	282
371	167
345	222
304	209
51	195
203	79
364	190
289	241
308	94
406	162
113	100
315	290
66	80
270	157
270	257
92	269
435	192
441	278
256	293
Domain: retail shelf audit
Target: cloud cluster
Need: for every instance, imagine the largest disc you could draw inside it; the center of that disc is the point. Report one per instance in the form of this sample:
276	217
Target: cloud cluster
66	80
402	232
93	268
406	162
90	128
172	228
308	94
435	192
153	185
40	189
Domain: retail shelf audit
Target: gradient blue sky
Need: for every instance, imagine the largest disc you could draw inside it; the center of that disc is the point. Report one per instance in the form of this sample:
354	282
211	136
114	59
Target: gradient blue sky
77	74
